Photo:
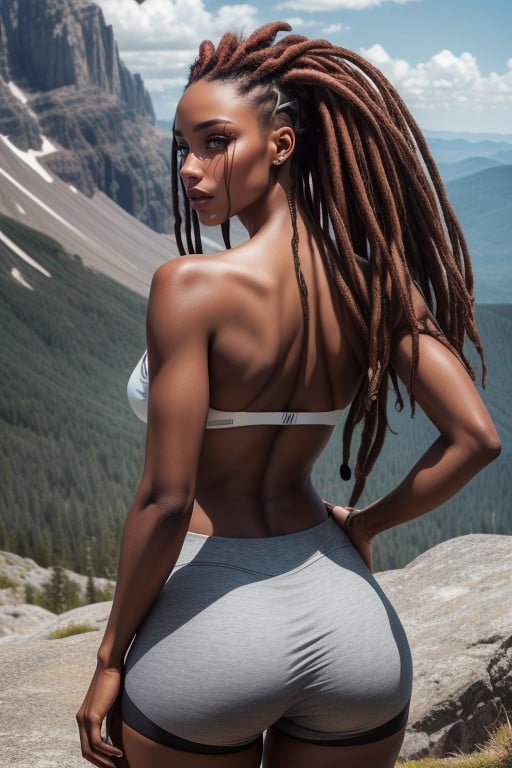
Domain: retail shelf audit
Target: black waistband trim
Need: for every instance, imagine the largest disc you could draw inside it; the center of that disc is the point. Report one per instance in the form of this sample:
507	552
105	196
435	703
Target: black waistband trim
368	737
137	720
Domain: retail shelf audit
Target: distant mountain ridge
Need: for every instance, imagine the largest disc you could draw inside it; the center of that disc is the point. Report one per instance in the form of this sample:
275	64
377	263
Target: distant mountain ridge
466	167
471	136
61	78
483	203
456	148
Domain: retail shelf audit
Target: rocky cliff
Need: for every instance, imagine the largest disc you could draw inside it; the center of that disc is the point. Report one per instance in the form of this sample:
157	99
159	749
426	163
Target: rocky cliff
61	78
454	601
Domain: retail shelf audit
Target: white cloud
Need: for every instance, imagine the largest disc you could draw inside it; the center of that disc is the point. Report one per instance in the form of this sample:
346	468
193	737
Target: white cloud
337	5
176	24
163	84
297	22
333	29
445	81
159	39
158	64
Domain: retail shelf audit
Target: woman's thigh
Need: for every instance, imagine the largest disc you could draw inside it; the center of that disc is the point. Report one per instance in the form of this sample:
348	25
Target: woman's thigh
281	751
140	752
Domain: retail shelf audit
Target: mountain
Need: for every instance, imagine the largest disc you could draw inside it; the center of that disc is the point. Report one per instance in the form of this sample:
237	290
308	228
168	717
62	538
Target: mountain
77	133
70	451
470	136
504	156
454	149
466	167
65	93
483	203
99	232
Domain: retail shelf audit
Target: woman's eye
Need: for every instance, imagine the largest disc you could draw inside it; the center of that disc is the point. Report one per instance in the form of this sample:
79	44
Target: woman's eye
212	144
217	142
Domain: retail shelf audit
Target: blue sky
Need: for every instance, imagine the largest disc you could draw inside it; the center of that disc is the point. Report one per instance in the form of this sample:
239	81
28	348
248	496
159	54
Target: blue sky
451	60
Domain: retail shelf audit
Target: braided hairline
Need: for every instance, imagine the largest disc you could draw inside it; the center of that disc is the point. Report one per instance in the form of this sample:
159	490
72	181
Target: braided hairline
363	175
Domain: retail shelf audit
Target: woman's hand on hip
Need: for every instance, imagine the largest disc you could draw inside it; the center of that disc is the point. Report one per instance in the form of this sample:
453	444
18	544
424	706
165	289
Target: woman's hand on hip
349	520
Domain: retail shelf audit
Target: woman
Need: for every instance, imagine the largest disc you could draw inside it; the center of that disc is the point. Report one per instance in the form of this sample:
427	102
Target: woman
355	271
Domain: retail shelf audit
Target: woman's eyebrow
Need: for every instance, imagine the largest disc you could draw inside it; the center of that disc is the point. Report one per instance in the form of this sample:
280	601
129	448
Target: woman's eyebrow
206	124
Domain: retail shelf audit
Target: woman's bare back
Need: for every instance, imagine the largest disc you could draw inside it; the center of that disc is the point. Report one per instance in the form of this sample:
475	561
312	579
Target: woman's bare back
255	480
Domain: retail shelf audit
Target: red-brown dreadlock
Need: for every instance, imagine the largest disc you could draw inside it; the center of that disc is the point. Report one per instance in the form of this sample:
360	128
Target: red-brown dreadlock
364	177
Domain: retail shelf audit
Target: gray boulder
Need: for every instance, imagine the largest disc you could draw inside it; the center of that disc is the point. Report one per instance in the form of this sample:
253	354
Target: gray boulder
18	621
43	682
455	603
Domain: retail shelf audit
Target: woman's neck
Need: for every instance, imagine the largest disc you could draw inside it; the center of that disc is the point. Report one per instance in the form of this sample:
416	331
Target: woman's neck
273	209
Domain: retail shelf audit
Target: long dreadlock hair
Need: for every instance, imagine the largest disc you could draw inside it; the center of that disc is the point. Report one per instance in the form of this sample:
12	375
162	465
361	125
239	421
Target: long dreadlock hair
364	177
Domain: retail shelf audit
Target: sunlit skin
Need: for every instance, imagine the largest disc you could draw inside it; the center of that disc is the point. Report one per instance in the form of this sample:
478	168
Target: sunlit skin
225	331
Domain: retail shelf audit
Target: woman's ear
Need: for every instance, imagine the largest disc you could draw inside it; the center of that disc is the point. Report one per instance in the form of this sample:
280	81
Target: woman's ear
282	144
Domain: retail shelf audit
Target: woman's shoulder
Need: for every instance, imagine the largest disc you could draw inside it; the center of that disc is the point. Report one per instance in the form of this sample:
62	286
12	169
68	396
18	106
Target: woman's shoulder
197	284
184	303
183	268
208	275
186	275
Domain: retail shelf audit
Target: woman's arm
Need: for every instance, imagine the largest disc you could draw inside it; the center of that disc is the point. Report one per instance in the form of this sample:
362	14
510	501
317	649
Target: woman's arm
467	440
178	337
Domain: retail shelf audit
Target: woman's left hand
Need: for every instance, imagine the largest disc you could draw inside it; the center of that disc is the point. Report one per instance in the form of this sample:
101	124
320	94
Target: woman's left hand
347	519
99	701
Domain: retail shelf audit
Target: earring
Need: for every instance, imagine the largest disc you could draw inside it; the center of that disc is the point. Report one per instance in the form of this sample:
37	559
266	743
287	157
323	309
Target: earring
278	160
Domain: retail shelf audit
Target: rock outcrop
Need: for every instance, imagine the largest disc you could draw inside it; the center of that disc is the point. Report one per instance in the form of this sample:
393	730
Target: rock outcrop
17	121
19	620
62	78
54	43
454	601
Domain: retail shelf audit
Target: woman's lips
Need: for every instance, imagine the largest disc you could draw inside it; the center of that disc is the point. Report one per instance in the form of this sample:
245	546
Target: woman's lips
198	200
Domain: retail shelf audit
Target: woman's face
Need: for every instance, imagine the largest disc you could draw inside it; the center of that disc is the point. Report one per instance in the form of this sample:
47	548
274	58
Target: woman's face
225	156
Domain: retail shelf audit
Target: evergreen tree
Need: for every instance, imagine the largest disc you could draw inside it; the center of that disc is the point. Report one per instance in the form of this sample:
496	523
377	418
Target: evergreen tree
30	594
90	591
60	593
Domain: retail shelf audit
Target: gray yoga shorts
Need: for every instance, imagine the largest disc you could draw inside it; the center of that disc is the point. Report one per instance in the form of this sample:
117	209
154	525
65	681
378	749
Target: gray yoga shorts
289	631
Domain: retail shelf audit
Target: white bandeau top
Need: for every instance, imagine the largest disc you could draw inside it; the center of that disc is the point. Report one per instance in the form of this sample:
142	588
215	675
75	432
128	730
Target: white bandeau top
138	387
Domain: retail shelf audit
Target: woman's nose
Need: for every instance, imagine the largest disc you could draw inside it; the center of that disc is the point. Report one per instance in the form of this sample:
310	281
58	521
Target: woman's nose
190	167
